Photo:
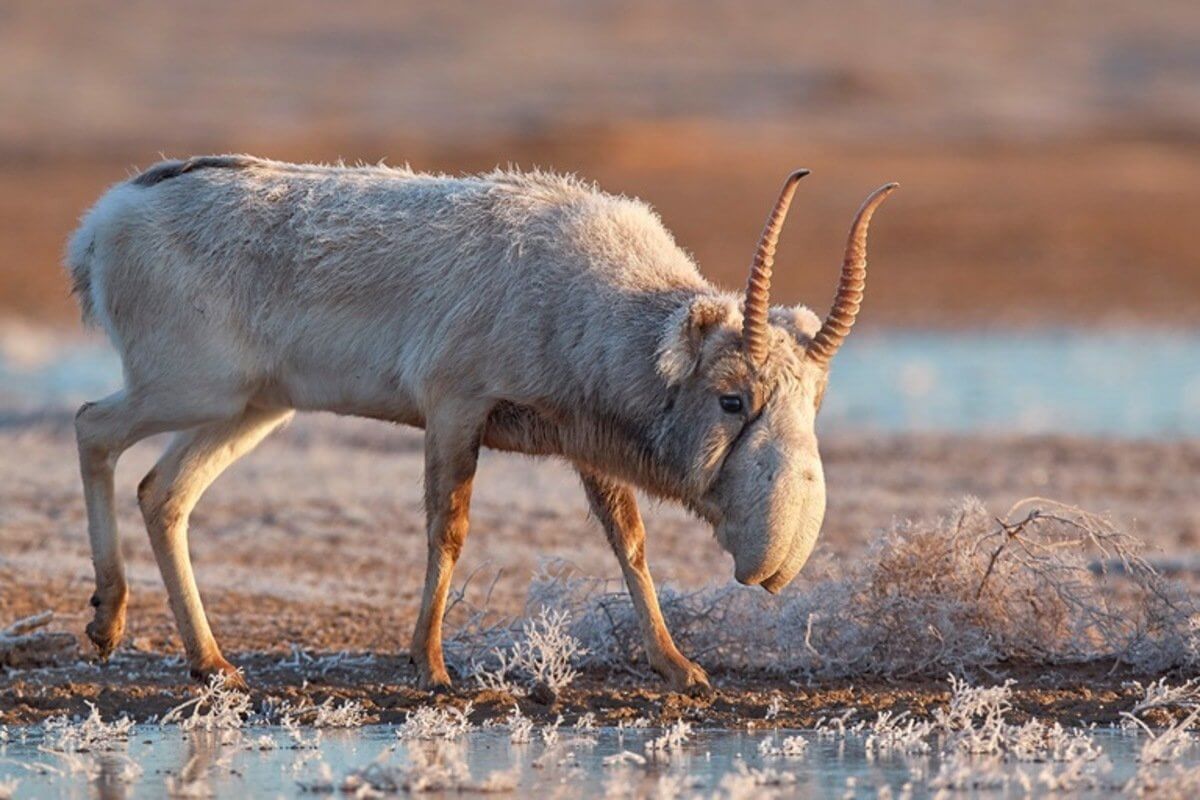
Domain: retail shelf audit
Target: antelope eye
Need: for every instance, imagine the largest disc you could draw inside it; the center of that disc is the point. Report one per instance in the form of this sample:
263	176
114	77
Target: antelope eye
731	404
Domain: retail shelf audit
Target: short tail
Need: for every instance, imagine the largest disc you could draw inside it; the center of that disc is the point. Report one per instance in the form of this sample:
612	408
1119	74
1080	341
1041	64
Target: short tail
82	259
81	251
165	170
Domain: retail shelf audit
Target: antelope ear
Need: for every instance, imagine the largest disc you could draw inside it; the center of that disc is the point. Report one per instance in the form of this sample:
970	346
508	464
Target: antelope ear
801	323
683	339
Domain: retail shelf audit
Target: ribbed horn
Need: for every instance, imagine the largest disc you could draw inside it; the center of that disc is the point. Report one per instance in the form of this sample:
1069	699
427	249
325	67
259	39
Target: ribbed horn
758	288
850	288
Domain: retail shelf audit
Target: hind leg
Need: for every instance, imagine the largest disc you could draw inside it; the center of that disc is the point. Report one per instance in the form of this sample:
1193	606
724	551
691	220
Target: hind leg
104	430
615	505
167	496
97	459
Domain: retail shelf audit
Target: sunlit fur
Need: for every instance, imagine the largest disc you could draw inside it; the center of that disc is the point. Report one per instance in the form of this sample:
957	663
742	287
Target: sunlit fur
541	314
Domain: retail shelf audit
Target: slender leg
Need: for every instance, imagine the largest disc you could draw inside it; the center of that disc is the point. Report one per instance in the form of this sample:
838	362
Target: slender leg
96	465
104	430
615	505
452	439
167	496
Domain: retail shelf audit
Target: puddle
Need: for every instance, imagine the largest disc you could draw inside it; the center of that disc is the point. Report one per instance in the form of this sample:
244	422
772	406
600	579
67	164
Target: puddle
267	762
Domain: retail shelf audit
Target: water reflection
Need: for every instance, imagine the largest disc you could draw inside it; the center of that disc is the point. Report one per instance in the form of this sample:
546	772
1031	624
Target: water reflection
272	762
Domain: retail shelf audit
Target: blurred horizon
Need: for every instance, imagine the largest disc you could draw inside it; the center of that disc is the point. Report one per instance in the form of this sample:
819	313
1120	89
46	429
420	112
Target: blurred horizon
1047	151
1121	385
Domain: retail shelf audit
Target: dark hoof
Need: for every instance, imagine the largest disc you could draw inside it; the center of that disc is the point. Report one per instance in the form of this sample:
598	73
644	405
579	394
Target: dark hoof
229	674
436	684
104	637
691	680
543	694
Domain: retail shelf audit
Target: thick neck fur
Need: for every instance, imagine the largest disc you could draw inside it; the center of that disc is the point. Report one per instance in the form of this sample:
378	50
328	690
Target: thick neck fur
619	395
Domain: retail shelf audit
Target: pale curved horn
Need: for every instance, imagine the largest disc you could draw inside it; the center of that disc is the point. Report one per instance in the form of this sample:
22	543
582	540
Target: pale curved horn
758	288
850	288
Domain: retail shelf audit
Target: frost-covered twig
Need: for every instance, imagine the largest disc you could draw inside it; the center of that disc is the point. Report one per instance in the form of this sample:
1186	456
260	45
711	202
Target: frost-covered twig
435	767
544	655
218	705
671	741
1167	745
432	722
1160	694
22	644
90	736
329	714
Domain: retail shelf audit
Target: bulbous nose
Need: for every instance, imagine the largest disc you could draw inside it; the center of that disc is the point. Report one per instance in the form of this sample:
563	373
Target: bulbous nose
757	559
802	546
810	517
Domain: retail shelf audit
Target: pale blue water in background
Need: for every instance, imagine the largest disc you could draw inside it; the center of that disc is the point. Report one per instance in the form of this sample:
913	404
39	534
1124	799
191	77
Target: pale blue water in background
1105	383
1114	383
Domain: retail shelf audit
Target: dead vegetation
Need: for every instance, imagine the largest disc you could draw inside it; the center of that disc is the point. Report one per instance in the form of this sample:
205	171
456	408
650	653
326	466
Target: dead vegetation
1046	583
1046	592
24	644
969	741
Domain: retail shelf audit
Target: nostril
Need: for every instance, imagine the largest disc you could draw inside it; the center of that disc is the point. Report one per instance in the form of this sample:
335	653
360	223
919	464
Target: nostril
750	575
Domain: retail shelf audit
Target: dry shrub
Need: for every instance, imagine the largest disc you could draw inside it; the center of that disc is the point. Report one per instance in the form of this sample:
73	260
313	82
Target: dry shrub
544	656
429	723
216	706
1046	583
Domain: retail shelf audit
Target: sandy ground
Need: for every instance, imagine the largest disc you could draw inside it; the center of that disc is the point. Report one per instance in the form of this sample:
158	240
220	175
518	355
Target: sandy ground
315	542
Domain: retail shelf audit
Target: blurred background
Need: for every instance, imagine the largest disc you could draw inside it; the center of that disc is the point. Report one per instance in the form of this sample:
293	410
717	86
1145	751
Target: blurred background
1049	151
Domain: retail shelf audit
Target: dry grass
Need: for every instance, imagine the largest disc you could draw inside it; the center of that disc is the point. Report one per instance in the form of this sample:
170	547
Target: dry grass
1045	584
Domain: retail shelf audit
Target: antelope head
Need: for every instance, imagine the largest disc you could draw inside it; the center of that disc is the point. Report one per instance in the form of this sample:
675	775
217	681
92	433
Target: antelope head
747	380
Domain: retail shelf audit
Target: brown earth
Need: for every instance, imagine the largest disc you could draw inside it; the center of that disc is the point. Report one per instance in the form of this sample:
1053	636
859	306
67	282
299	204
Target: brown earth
314	541
142	686
1048	156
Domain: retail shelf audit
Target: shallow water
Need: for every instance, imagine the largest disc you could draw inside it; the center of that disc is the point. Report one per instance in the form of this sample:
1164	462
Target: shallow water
1114	383
231	764
1119	383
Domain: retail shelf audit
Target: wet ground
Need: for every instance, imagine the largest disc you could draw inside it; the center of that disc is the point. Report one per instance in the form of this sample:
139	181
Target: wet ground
145	686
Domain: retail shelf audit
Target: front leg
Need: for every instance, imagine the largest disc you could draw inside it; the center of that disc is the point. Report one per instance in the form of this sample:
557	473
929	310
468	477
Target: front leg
452	438
615	505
